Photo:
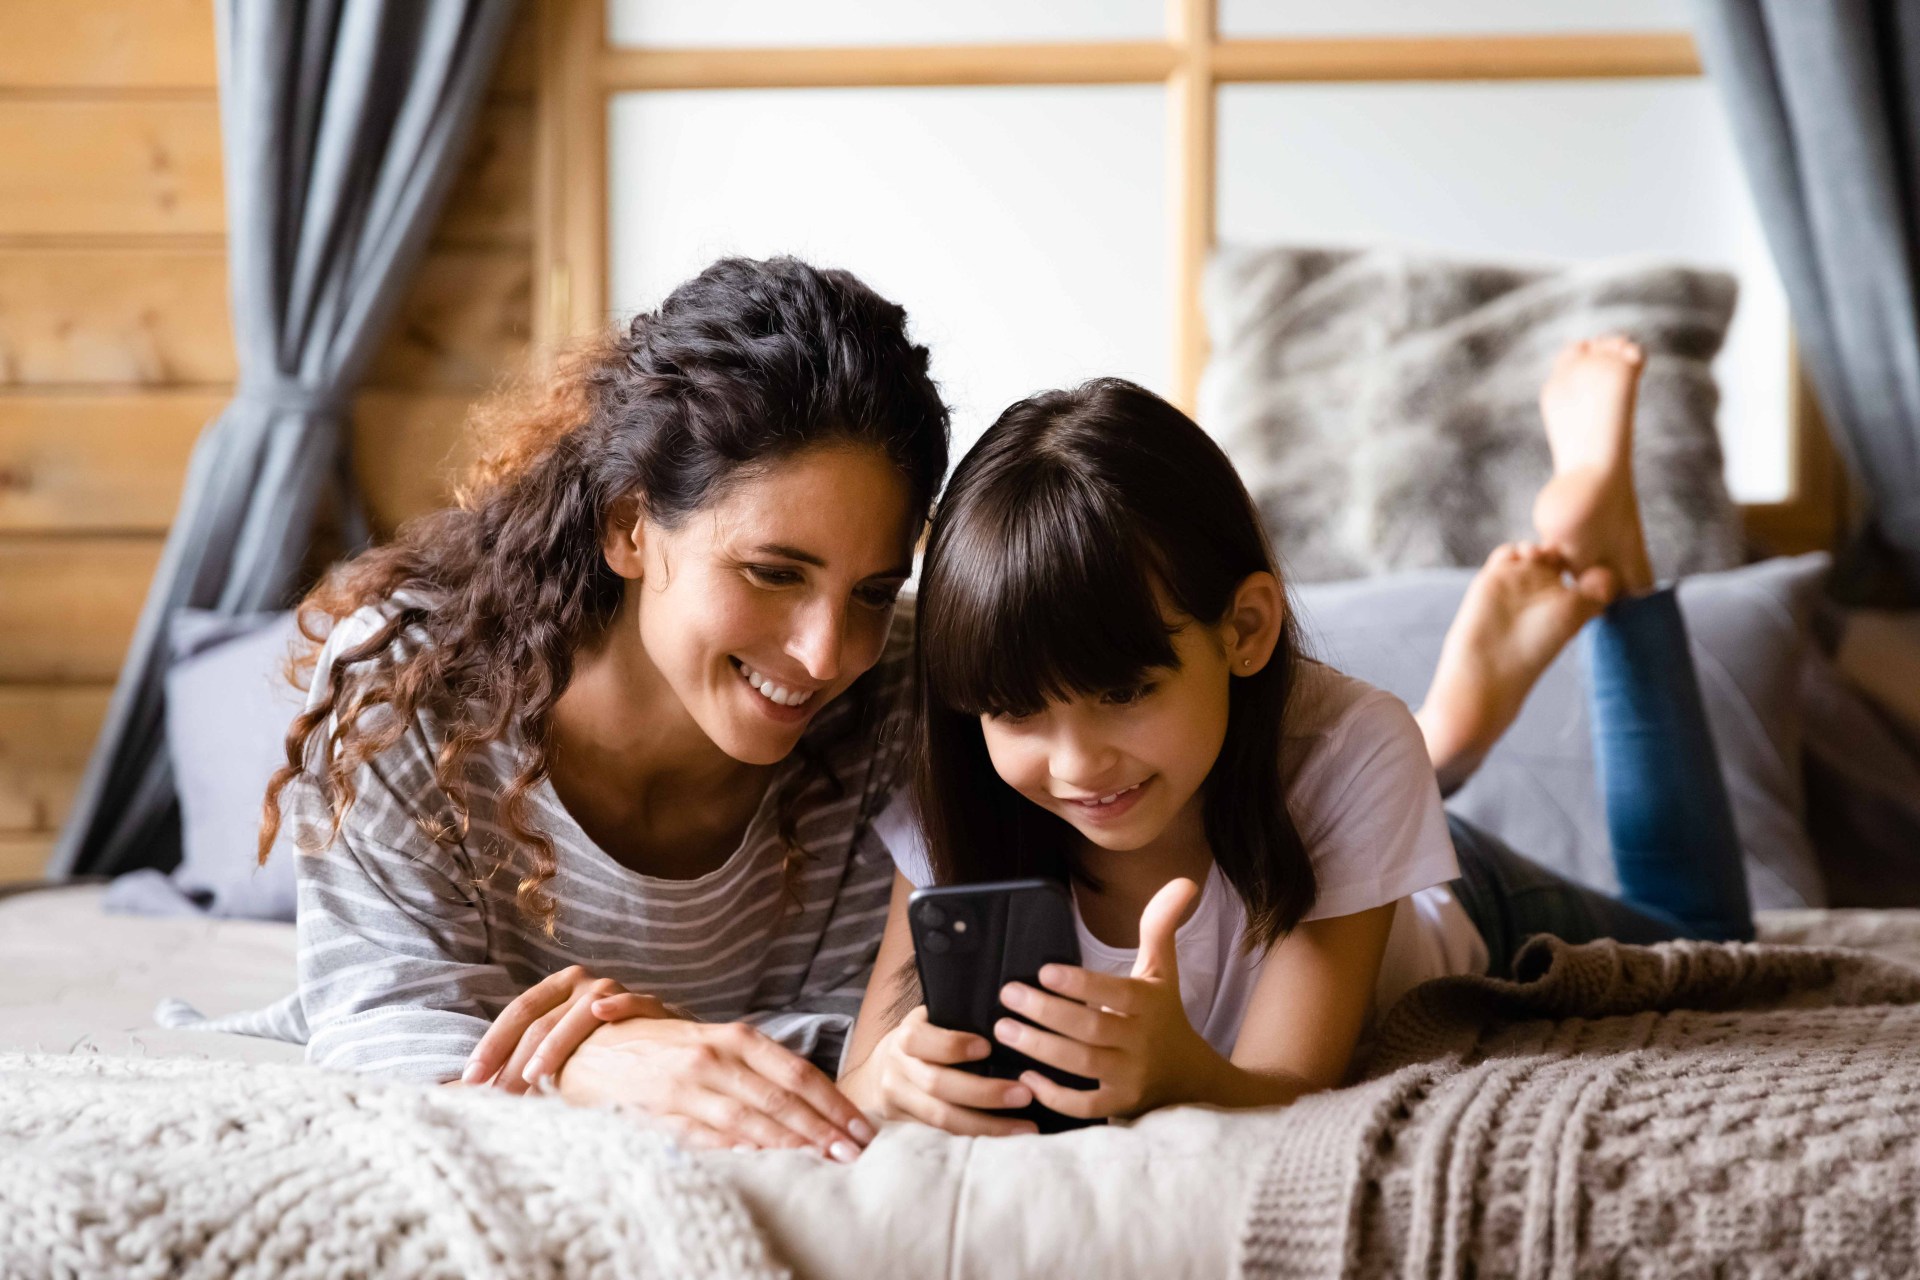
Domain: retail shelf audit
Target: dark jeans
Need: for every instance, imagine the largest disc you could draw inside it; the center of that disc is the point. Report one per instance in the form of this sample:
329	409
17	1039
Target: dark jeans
1668	817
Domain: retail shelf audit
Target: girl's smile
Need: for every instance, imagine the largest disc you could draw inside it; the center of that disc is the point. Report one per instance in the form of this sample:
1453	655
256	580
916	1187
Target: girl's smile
1108	808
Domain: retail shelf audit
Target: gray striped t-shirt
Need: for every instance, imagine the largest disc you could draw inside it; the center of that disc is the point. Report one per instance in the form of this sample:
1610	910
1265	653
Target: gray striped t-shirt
409	948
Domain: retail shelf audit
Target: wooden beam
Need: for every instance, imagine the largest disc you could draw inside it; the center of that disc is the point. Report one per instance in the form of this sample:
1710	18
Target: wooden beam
97	463
103	167
108	44
1192	141
570	196
24	857
1120	62
1547	57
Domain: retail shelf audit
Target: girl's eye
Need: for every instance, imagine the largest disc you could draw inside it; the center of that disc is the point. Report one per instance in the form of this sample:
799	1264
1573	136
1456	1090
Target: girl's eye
1129	696
878	597
770	576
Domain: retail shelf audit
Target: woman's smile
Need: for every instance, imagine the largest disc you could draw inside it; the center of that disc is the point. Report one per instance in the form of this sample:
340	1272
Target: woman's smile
778	701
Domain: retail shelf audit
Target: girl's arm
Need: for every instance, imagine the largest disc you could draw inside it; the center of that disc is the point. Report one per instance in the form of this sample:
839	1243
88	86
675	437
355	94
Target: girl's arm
1308	1007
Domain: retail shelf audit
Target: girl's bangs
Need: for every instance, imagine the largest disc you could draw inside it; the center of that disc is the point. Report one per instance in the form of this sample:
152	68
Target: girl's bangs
1039	604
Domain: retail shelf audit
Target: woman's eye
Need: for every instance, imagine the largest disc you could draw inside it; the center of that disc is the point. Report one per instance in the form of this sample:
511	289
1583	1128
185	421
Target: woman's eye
769	575
1128	696
878	597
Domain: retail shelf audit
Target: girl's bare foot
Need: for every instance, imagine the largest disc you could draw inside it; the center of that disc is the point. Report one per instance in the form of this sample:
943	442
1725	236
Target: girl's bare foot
1518	614
1587	511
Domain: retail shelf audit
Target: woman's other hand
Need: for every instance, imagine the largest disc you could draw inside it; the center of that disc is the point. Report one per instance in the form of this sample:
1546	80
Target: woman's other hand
717	1085
913	1073
535	1035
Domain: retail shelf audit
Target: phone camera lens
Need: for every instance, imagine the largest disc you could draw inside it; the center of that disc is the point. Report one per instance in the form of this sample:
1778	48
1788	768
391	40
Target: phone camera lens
932	916
938	943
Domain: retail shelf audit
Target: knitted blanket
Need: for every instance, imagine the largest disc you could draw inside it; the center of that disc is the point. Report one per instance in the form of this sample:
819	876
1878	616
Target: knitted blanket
1690	1109
123	1167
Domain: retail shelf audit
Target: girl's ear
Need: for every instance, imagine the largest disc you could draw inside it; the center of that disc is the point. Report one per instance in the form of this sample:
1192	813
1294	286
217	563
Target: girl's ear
625	541
1252	626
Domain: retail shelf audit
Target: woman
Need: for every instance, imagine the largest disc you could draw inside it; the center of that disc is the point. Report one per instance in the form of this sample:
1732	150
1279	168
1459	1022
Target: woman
621	719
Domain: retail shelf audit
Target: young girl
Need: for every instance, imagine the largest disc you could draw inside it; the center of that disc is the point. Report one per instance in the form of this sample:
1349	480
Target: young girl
1111	693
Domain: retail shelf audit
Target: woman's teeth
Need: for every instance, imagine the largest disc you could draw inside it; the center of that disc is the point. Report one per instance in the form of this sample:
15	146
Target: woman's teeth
1106	800
771	691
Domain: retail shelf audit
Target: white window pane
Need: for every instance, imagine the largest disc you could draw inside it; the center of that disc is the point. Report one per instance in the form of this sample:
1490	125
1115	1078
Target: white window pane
1528	170
1023	229
764	23
1256	18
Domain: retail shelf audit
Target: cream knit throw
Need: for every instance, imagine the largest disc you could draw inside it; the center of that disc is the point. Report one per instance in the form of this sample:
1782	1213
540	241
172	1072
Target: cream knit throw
129	1168
1690	1109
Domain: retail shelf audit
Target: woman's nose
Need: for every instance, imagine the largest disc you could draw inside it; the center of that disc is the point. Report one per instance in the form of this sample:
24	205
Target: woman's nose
818	640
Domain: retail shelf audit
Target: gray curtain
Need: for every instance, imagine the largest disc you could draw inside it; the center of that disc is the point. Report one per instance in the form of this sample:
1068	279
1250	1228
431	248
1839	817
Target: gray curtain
343	122
1824	100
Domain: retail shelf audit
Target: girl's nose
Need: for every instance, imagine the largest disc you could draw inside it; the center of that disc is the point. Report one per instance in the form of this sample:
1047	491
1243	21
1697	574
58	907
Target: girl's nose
1081	762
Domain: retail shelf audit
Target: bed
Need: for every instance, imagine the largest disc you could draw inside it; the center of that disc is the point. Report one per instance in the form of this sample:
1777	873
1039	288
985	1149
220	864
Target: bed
1185	1192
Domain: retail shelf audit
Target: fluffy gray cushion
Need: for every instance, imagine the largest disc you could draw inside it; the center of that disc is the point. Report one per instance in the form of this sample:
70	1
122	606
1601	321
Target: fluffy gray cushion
1383	406
229	705
1749	632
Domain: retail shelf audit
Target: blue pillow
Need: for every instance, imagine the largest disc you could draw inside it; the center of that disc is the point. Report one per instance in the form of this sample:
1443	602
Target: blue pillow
229	705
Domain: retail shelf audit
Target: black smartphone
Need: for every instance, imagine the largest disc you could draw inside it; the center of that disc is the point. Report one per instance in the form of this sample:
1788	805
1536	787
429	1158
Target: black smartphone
971	940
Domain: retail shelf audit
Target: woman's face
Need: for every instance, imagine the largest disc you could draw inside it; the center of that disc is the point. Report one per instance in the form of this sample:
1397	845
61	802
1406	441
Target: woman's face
1121	766
763	606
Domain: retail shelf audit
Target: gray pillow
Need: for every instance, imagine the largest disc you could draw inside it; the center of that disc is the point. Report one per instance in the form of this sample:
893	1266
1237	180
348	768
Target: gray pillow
1383	406
229	706
1749	633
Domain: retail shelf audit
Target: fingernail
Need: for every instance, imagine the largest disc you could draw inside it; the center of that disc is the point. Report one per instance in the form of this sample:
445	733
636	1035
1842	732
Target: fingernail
1051	973
534	1067
1013	995
473	1074
979	1049
744	1146
1007	1030
862	1131
1019	1096
844	1152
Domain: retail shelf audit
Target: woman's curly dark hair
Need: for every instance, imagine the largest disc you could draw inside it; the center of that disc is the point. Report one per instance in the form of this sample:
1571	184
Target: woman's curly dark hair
747	363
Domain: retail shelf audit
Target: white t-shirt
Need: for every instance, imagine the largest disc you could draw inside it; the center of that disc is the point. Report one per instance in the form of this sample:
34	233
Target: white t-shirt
1362	793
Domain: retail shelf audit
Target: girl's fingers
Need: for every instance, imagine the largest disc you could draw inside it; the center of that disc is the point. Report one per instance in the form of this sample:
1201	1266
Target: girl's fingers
1101	990
1057	1013
808	1092
964	1089
1081	1104
1054	1050
929	1043
691	1134
959	1120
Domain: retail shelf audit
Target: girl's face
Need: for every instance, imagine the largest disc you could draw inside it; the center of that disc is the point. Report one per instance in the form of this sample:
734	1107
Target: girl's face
1121	766
762	607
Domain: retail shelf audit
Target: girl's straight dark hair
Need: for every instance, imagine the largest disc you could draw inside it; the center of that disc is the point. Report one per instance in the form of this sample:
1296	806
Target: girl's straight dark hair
1073	541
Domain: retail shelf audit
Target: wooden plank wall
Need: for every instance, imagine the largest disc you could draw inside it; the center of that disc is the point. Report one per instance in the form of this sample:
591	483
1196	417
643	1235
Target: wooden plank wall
115	347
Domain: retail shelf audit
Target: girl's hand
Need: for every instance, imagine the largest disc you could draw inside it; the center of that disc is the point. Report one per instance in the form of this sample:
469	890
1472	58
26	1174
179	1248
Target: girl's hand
1131	1034
715	1084
535	1035
911	1075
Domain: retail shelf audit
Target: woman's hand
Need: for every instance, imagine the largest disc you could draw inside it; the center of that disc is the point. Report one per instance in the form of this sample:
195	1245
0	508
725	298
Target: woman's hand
535	1035
1130	1034
911	1074
716	1085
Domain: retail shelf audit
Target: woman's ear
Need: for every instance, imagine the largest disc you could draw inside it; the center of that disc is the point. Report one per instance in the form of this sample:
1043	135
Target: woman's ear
625	541
1253	622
